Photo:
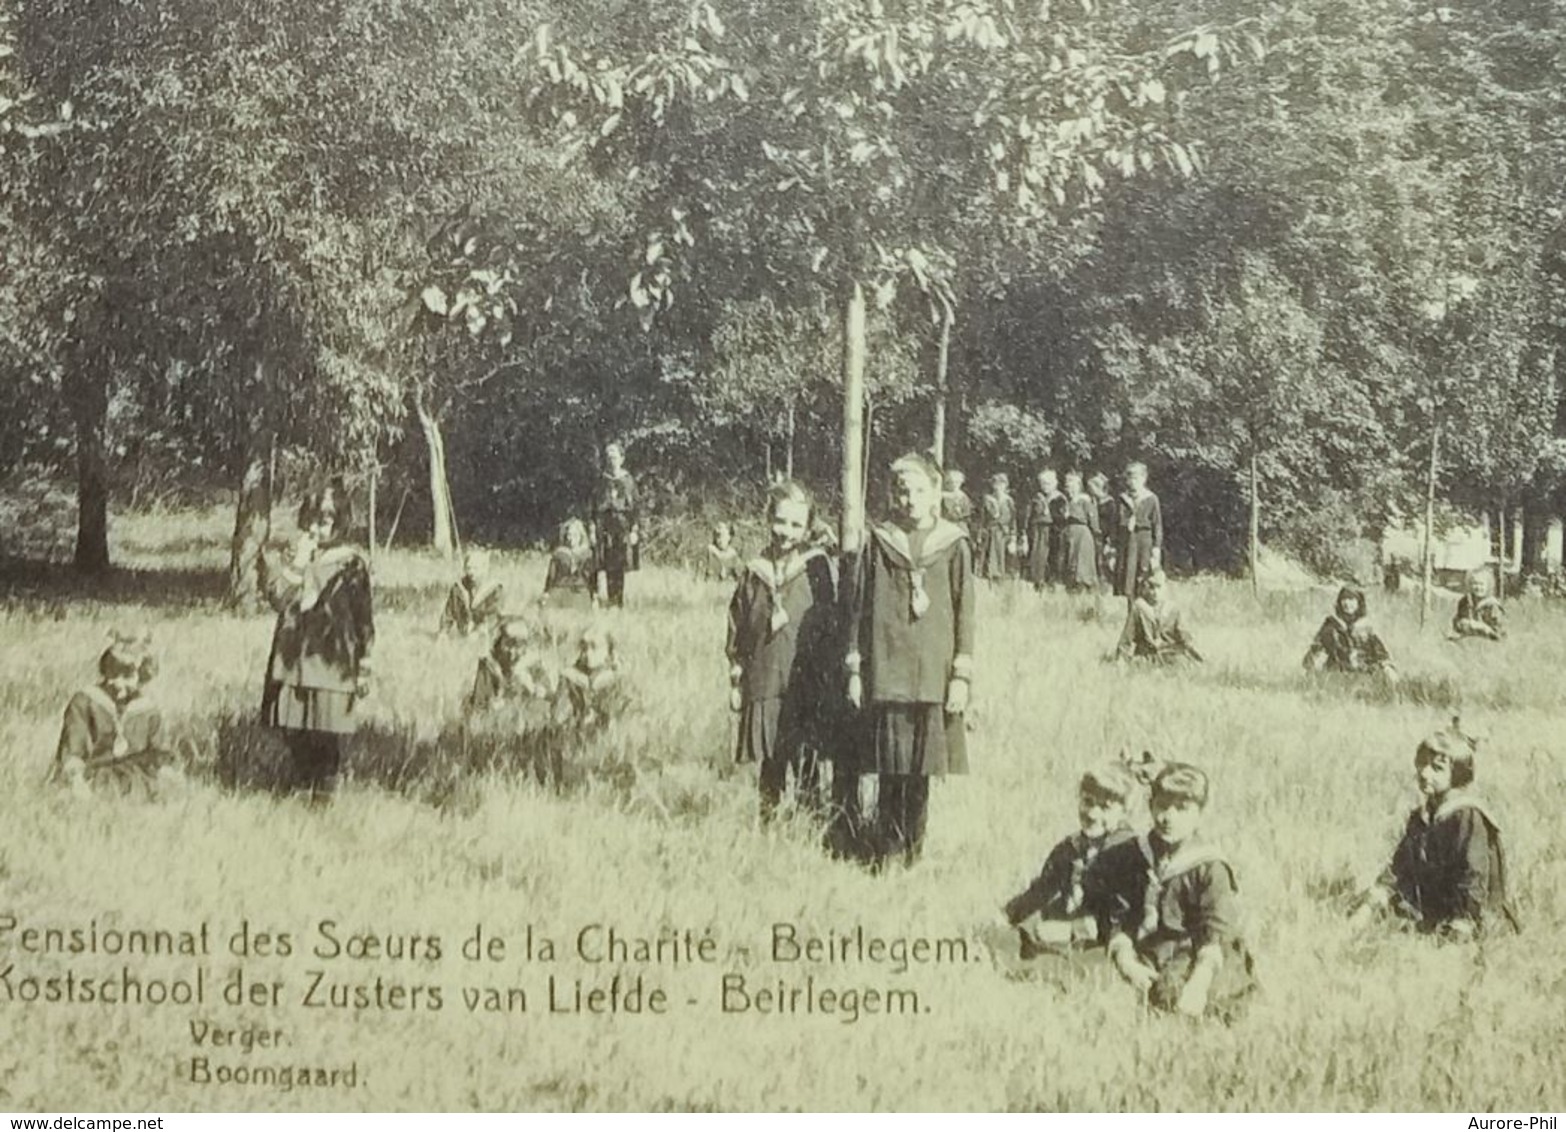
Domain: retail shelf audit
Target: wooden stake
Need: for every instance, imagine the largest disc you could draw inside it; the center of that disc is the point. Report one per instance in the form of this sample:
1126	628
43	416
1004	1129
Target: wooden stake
853	472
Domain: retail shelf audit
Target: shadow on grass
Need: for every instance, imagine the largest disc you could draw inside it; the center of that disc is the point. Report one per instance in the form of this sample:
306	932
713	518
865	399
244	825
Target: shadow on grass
449	770
1416	688
51	587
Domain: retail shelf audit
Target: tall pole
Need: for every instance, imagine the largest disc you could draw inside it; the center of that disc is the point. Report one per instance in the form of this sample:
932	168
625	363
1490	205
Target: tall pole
942	364
853	523
1430	487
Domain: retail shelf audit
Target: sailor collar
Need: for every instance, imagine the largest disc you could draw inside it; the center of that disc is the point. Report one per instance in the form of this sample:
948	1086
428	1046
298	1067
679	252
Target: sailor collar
1185	858
894	540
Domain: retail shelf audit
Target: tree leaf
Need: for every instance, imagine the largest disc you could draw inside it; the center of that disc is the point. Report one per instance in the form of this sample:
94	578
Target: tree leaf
435	299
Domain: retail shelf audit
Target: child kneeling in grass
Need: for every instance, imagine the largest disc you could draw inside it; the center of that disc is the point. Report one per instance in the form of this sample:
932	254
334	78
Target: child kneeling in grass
1168	907
1447	876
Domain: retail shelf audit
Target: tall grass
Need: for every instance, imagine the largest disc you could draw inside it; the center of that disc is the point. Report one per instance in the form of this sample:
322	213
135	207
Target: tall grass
656	829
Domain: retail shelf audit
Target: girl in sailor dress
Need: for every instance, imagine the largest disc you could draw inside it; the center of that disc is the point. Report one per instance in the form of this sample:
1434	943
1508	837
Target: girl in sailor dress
783	642
911	657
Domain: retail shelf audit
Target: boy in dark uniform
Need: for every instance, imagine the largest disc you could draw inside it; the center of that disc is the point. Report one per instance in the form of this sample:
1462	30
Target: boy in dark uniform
1168	907
911	657
1448	874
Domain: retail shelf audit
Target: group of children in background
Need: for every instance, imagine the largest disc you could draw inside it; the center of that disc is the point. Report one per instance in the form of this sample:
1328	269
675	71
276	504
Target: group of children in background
1081	537
864	663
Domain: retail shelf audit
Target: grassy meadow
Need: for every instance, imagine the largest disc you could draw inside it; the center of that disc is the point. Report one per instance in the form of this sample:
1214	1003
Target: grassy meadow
1311	784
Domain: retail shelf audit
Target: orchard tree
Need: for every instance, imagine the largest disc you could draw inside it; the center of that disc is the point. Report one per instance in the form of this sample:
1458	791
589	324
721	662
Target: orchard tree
792	146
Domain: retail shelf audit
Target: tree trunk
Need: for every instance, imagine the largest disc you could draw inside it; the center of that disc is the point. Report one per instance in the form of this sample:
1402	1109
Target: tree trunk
853	521
252	528
1255	528
441	535
1500	551
90	411
1534	526
1430	487
942	371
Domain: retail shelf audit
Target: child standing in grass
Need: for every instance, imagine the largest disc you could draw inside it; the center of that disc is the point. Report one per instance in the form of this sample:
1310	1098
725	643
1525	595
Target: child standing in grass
1050	914
1046	510
997	528
1479	614
722	562
1154	629
911	657
1079	541
571	582
1168	906
956	507
1347	642
1448	874
474	600
616	526
319	667
1140	530
782	646
112	735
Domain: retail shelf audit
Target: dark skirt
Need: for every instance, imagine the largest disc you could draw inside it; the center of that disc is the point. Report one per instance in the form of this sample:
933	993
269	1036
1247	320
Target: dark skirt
309	709
1080	558
991	558
1039	563
772	731
919	739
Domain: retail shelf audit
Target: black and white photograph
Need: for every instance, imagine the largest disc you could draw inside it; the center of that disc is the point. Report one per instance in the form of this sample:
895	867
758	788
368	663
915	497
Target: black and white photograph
782	556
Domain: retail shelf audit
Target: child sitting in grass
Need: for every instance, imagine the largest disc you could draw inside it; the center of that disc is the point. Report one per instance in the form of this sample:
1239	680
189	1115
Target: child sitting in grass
1168	906
1154	629
1448	874
511	673
474	600
1346	642
1479	614
722	562
571	581
591	692
1049	915
112	736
